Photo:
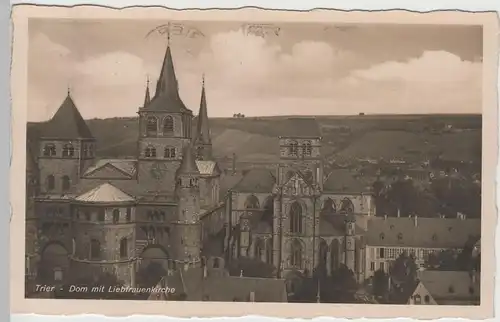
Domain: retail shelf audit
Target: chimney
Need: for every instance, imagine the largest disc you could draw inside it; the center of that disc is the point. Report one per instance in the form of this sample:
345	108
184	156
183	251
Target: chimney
415	220
399	212
205	273
385	216
234	163
252	296
241	273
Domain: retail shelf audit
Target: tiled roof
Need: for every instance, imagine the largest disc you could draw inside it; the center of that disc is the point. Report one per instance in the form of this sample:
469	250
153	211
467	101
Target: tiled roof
450	284
192	283
105	193
256	180
67	123
296	127
426	232
343	180
228	181
206	167
128	166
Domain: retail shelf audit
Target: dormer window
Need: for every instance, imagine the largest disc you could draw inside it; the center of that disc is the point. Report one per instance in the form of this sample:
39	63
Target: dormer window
150	152
152	125
434	237
382	236
400	236
68	150
168	125
49	150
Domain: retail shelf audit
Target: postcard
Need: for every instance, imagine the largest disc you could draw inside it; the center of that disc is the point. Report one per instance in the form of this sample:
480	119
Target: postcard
232	162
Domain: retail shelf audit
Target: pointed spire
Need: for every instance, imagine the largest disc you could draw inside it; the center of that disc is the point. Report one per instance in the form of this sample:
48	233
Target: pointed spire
147	98
203	129
167	82
188	163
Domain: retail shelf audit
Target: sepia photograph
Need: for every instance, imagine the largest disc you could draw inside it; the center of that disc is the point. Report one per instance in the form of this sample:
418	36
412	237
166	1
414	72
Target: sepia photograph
268	161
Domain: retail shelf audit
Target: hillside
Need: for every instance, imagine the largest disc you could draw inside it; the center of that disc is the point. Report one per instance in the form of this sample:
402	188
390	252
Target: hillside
454	137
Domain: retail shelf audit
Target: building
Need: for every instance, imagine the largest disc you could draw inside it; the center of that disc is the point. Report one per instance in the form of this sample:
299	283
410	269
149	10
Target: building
446	288
387	238
131	218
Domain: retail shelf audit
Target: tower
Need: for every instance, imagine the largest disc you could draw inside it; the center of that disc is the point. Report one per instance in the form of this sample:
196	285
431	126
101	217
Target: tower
164	130
66	149
186	232
202	141
350	243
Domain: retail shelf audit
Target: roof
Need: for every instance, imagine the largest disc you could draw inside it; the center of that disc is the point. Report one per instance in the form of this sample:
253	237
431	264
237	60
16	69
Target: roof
166	98
426	232
206	167
105	193
202	134
295	127
236	288
450	284
256	180
228	181
188	163
67	123
127	166
343	180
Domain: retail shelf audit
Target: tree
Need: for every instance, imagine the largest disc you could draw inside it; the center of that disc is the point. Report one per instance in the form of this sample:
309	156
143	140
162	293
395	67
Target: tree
380	283
403	273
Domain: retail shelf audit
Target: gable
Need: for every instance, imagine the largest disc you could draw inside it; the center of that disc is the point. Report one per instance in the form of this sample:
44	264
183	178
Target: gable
297	185
107	171
421	294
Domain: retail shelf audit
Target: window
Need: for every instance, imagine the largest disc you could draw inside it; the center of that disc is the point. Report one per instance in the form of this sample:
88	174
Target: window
400	236
259	249
68	150
381	252
100	215
296	259
307	148
199	152
269	251
328	207
87	215
51	182
123	248
293	148
168	124
58	274
129	215
151	125
296	218
116	216
382	266
346	206
65	183
150	152
169	153
418	299
372	266
252	202
451	289
427	299
382	236
216	262
95	249
49	150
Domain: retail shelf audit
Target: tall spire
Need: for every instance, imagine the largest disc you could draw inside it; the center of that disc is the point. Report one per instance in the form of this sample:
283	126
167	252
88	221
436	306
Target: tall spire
147	98
188	164
203	141
167	82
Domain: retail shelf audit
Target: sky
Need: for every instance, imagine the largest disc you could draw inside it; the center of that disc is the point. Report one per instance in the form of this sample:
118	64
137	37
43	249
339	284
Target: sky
292	69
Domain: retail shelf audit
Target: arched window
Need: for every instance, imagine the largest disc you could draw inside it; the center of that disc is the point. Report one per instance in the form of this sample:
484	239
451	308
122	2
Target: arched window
116	216
123	248
293	148
65	183
199	152
169	152
323	253
307	148
150	152
49	150
335	251
269	251
129	215
329	207
68	150
296	218
259	248
168	124
51	182
346	206
101	215
216	262
252	202
152	125
95	249
296	259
